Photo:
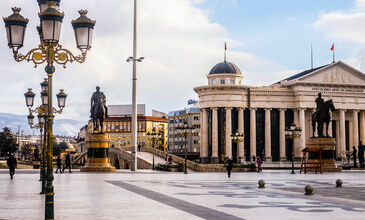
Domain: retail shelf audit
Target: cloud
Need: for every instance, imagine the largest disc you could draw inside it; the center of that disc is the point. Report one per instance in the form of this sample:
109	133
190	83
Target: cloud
346	28
179	41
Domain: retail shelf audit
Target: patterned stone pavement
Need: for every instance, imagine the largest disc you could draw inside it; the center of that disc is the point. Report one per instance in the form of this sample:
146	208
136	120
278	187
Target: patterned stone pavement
158	195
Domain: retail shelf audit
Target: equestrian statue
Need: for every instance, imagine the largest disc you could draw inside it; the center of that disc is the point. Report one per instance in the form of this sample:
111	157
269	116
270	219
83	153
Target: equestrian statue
98	110
322	115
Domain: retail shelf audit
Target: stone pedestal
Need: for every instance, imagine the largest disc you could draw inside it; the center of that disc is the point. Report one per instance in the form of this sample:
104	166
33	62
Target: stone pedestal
98	154
328	153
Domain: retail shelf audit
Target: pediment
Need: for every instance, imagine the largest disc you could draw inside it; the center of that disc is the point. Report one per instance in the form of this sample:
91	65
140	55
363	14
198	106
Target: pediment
337	73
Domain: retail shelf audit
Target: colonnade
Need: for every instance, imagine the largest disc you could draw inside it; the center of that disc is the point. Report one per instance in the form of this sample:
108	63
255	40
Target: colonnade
300	120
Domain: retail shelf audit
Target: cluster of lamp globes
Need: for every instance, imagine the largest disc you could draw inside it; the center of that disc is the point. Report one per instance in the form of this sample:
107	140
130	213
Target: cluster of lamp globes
293	131
29	101
50	27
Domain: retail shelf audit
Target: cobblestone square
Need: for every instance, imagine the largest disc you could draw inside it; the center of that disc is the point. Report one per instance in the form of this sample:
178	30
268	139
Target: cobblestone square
158	195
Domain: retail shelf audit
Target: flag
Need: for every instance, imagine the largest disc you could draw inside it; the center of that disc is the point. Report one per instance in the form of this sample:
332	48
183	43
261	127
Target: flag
225	45
333	47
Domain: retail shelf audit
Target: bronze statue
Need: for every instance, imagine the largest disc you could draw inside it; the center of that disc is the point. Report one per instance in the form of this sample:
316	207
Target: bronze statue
98	110
322	115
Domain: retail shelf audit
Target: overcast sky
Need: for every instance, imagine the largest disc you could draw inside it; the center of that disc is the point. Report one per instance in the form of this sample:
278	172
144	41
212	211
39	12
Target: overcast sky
181	41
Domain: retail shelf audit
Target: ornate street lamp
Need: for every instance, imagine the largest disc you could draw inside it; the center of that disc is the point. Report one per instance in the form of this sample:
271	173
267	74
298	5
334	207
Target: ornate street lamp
154	136
185	128
30	119
61	98
237	137
49	51
29	98
293	132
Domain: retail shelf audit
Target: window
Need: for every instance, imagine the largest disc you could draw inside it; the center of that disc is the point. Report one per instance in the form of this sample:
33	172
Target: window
232	81
214	82
196	118
223	81
112	126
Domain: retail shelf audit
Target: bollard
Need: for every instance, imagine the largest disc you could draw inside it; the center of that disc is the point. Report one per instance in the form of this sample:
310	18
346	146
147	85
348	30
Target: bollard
308	190
338	183
261	184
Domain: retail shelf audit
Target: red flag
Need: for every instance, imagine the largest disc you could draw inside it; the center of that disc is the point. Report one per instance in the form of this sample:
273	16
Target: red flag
333	47
225	45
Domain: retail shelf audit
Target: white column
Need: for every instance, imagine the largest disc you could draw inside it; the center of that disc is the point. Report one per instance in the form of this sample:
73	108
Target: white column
338	141
342	131
267	135
204	137
241	151
252	133
215	135
282	134
302	136
228	132
356	128
362	126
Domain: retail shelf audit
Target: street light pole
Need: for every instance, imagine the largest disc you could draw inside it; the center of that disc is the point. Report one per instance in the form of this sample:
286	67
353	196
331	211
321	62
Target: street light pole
237	137
293	132
49	51
134	90
185	128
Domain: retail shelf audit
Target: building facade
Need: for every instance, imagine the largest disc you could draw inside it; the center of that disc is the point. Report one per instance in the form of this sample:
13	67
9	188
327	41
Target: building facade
175	138
120	131
262	113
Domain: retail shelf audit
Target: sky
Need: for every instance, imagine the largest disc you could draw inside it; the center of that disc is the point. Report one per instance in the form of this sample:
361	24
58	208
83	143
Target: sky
181	41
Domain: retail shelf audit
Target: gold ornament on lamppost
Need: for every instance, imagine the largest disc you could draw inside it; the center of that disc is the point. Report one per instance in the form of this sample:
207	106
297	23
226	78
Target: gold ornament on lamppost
237	137
49	51
185	128
291	133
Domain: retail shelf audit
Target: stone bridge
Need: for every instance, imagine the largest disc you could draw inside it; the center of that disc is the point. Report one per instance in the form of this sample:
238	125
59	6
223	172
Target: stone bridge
121	159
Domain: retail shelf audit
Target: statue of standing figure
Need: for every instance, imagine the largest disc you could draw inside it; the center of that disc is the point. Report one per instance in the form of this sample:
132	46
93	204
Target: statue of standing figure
322	115
98	110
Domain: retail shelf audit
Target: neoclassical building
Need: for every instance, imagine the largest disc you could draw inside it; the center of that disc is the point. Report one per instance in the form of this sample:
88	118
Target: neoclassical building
262	113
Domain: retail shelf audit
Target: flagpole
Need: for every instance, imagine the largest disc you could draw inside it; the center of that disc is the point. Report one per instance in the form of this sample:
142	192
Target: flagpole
225	51
311	56
333	55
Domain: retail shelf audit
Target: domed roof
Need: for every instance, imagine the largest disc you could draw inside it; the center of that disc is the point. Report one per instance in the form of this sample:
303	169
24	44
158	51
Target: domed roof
225	67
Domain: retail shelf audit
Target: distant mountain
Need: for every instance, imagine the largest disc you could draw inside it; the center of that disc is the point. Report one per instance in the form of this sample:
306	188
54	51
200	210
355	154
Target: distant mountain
67	127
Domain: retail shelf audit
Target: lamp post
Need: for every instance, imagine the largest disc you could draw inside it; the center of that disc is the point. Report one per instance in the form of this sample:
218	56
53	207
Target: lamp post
49	51
293	132
134	90
154	136
185	129
237	137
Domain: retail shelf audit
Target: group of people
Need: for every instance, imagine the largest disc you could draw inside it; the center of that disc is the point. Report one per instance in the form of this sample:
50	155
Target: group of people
67	163
359	153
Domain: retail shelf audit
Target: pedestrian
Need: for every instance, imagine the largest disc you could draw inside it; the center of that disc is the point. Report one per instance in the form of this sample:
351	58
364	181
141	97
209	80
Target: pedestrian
170	159
59	163
354	155
11	164
360	154
139	147
259	162
229	166
68	163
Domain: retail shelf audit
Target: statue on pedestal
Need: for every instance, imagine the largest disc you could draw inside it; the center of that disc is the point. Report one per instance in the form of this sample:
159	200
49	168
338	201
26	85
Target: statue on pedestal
98	109
322	115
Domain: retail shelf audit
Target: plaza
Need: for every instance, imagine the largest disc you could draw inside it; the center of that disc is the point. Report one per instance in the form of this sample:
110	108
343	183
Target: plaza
158	195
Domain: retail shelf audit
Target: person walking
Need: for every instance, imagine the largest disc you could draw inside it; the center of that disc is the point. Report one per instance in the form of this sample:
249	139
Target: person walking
12	163
361	154
229	167
59	163
259	162
354	155
68	163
